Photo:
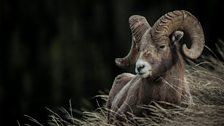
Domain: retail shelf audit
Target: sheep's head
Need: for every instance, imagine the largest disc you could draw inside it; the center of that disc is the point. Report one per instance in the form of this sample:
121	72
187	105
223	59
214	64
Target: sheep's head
153	48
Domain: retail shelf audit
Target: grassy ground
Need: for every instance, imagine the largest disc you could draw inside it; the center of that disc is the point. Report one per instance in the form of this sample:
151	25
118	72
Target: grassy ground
206	80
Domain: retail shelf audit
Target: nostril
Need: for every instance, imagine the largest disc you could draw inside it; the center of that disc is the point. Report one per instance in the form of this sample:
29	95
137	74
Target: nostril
140	67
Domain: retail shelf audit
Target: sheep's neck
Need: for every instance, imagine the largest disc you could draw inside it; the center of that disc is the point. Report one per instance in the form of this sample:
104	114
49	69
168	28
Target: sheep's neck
168	82
175	71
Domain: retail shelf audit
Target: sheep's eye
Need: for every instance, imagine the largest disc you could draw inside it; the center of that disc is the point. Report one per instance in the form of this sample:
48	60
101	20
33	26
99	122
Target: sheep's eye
162	47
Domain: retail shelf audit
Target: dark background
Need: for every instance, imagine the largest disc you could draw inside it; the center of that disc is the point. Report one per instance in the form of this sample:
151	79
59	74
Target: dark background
55	50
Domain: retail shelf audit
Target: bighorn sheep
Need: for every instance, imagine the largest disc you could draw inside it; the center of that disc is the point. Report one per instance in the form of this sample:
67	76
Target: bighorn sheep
159	63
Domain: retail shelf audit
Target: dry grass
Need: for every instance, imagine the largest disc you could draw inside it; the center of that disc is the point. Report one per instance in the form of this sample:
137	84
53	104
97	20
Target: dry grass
206	80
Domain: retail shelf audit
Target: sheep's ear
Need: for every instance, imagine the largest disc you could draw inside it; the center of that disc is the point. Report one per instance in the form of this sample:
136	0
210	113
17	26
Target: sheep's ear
176	36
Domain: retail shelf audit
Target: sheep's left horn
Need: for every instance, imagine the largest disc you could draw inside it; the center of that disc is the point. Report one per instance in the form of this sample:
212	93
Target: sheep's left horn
138	25
183	21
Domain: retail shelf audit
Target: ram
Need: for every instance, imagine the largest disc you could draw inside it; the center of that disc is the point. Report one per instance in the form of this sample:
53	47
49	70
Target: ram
159	66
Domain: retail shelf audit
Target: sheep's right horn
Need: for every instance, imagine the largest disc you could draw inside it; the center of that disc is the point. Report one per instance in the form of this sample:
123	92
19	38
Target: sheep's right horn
138	25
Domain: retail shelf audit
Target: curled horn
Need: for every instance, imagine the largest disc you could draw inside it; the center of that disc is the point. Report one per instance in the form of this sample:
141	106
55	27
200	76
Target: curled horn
184	21
138	25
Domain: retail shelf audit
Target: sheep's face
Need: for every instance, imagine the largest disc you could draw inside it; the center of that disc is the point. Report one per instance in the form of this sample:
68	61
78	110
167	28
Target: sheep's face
156	58
154	48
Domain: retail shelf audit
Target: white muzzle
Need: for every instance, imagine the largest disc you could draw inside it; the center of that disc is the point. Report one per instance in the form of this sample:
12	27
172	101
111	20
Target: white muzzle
143	68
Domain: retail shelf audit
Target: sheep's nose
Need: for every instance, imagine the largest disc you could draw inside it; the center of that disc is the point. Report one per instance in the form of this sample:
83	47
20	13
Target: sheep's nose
139	67
142	67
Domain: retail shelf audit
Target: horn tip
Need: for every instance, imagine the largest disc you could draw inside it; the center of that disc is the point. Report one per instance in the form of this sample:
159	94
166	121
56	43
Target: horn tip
121	63
189	53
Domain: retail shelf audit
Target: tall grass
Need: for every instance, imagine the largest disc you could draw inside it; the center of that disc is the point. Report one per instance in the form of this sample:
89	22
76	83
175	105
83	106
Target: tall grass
206	81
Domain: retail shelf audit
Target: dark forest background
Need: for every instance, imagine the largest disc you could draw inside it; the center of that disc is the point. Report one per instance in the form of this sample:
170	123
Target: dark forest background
55	50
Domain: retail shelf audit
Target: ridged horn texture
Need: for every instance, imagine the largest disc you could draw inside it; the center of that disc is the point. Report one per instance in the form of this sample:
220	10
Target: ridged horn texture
184	21
138	25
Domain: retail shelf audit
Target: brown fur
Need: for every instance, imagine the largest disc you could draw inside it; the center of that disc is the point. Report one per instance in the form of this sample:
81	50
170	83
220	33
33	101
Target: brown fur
159	65
166	84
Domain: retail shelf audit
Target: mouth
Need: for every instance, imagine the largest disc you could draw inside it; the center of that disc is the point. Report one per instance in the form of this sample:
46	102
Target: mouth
145	74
